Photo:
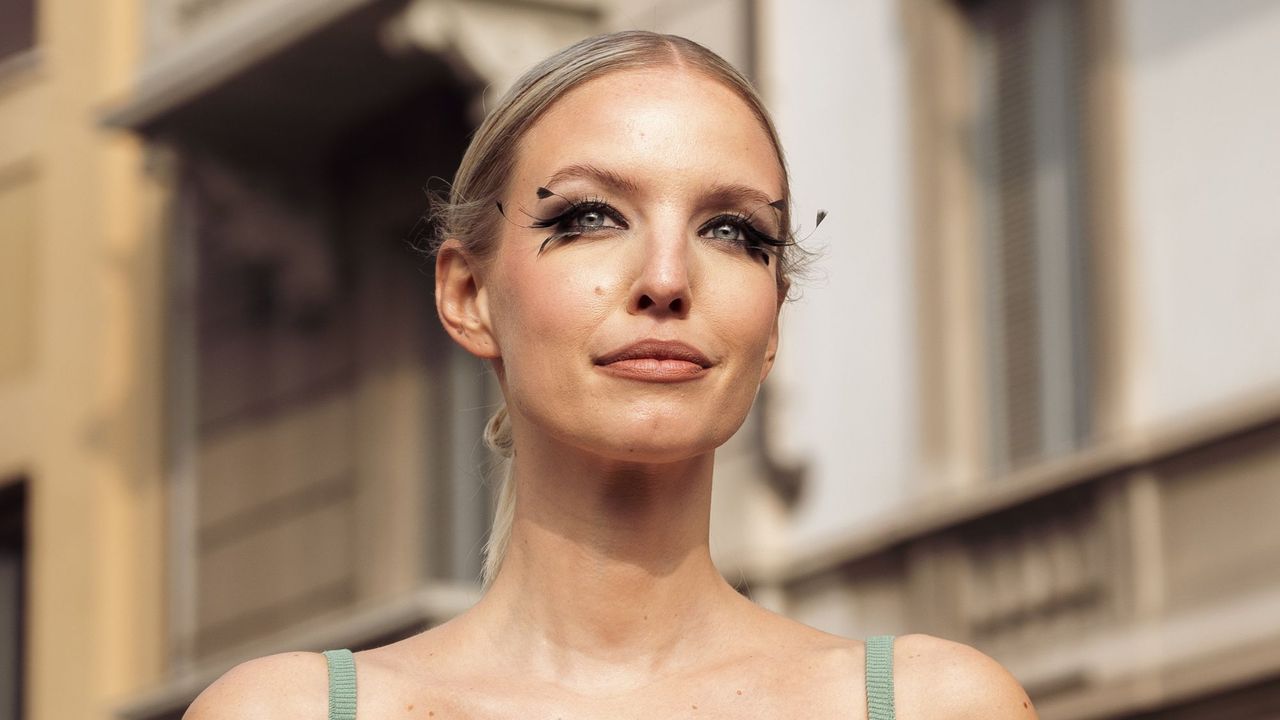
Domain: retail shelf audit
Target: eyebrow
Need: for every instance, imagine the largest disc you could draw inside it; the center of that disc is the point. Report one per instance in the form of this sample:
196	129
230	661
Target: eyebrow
718	194
730	194
591	172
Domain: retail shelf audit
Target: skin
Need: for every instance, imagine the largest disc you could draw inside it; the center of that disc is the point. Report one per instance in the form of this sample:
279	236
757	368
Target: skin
607	604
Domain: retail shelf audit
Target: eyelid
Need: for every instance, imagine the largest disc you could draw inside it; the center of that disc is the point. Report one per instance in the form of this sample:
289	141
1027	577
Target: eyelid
753	238
574	209
577	207
744	222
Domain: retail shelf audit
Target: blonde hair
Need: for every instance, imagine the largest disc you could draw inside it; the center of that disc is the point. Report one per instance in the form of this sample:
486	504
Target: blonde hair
470	215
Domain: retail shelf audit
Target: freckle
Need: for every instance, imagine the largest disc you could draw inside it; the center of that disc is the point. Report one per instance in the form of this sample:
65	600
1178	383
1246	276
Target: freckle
695	707
410	707
599	290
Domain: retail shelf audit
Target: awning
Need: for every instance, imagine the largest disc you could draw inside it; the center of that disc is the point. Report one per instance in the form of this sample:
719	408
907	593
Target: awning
289	68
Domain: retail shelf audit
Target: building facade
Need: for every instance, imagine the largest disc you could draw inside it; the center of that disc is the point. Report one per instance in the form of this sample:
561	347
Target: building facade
1050	396
1029	398
81	312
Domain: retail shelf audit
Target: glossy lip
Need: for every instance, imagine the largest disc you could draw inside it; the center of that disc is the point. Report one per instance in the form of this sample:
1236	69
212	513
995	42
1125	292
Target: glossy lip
655	361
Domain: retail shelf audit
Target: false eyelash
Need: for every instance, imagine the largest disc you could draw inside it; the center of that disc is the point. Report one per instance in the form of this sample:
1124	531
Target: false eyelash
574	207
781	205
758	239
753	238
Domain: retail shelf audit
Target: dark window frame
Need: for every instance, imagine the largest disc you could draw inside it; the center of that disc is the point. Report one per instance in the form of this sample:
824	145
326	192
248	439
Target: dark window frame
14	561
17	28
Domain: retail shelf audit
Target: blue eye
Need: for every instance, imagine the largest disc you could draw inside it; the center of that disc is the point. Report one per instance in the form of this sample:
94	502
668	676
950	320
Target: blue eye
584	217
588	219
727	231
595	216
738	229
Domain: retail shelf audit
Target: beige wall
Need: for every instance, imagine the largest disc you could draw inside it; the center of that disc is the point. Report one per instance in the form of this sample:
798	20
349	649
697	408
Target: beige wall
1136	573
1134	545
79	324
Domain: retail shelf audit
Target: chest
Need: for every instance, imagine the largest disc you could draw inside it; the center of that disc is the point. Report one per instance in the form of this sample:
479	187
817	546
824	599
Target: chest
774	687
701	701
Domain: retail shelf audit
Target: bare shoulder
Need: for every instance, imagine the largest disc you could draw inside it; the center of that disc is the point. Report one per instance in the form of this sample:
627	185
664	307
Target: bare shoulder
939	678
287	685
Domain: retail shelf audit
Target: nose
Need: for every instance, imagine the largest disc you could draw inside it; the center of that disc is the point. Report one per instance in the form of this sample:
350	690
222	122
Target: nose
661	285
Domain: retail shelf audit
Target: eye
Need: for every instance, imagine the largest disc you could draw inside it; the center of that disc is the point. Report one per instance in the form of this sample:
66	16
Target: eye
737	229
588	219
582	217
727	231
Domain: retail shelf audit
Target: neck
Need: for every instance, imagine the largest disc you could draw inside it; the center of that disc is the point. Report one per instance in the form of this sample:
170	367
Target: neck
608	570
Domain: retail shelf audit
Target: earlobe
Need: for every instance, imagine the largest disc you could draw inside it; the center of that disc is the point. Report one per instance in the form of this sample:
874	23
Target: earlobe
461	301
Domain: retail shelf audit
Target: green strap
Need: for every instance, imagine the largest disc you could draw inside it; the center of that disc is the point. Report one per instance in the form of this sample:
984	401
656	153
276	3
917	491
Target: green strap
342	681
342	684
880	678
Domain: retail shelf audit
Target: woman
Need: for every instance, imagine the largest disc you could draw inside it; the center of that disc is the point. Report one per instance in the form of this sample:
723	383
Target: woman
616	245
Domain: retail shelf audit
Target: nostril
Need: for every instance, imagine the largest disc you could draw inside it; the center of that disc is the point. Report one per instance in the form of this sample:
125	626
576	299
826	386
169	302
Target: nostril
676	305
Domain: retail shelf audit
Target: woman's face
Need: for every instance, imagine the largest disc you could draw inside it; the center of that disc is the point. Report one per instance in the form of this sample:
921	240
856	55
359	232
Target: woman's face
633	298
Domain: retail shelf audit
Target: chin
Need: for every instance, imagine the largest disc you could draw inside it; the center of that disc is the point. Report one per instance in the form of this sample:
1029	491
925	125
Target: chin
649	451
647	430
659	439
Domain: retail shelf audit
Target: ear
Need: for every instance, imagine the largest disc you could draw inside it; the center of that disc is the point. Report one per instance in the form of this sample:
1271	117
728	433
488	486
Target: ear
462	301
771	351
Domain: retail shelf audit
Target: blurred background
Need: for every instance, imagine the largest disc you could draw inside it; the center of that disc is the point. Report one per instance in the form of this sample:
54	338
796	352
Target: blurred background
1028	400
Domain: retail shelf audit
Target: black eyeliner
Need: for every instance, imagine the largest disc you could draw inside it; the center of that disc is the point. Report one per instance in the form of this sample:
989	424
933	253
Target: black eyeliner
752	239
574	209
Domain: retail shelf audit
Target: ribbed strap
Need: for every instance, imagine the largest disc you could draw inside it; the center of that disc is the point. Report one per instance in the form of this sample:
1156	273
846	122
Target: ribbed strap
342	684
880	678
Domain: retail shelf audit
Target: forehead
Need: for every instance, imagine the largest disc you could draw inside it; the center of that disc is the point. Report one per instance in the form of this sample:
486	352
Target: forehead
668	130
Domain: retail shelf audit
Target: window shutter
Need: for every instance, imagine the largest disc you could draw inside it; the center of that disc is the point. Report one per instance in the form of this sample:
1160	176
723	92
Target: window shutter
1030	178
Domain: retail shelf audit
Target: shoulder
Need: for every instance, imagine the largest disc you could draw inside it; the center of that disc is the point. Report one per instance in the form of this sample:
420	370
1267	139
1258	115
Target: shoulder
287	685
939	678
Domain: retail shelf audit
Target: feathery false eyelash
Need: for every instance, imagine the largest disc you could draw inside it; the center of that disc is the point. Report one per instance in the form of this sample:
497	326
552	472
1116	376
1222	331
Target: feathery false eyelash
752	237
781	205
758	238
572	207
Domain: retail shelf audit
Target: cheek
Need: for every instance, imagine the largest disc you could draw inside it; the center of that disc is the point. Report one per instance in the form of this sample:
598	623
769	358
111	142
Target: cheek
746	316
541	306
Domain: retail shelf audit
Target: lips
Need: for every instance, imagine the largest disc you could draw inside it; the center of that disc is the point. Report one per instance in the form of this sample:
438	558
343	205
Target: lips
656	361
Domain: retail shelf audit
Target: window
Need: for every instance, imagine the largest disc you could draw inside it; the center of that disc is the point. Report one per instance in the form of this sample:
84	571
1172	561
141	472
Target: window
1009	132
1027	74
17	27
13	578
329	429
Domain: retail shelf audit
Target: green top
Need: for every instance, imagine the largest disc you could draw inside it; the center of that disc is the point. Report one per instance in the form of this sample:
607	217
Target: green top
342	681
880	678
342	684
